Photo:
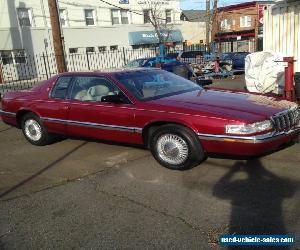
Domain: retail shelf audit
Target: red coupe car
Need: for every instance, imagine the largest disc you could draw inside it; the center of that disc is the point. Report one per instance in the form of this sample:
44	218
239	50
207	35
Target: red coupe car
178	120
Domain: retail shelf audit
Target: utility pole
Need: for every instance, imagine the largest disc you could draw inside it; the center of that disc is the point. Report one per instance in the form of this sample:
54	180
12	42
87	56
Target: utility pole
215	22
207	23
1	75
56	34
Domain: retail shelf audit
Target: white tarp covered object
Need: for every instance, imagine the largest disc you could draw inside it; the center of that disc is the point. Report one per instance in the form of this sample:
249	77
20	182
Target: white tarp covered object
264	73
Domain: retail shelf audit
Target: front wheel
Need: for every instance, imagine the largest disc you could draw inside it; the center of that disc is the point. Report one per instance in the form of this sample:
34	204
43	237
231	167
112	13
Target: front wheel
176	147
34	131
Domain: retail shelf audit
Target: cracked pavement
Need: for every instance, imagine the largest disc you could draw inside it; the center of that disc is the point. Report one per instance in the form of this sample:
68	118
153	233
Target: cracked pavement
85	194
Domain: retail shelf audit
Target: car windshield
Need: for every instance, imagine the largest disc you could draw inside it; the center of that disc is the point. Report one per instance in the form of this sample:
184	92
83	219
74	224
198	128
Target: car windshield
136	63
155	84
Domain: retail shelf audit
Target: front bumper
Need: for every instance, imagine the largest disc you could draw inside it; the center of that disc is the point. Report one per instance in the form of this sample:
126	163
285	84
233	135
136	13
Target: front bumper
248	145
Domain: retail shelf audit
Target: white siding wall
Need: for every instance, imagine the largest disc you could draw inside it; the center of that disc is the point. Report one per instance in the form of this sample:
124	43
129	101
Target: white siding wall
282	30
77	34
194	31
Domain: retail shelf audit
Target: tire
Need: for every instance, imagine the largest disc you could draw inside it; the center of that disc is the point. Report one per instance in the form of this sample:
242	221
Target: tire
176	147
34	130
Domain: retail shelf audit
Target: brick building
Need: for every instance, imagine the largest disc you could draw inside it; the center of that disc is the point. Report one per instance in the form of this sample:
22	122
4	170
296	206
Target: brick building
239	27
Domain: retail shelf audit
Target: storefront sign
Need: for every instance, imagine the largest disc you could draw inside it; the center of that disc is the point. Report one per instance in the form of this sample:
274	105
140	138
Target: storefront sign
150	37
151	2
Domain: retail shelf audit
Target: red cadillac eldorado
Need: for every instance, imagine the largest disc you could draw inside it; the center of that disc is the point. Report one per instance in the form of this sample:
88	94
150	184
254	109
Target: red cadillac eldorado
178	120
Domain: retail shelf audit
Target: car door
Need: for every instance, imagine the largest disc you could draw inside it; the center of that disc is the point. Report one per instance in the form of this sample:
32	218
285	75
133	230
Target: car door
54	111
89	117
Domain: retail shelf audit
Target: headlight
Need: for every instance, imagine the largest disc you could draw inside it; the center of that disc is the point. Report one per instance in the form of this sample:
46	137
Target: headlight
249	128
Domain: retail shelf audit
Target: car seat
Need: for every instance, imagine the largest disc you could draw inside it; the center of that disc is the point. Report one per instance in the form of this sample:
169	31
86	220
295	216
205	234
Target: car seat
83	96
97	92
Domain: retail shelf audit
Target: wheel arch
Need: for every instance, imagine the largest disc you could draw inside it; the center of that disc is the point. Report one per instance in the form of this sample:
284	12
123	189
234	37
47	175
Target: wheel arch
152	126
20	114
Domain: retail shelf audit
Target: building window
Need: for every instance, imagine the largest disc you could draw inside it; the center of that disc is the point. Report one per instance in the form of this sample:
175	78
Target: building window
19	55
89	17
245	21
24	17
168	16
13	56
113	47
146	16
6	57
115	17
124	17
226	24
119	17
63	17
90	49
102	48
73	50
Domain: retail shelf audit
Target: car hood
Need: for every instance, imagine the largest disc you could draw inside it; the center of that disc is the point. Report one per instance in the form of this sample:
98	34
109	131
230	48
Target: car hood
226	104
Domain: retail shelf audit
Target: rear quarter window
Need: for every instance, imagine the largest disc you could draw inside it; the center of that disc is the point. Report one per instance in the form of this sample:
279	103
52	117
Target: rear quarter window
61	87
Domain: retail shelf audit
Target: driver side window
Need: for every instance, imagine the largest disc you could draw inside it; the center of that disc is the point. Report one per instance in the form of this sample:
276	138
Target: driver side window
90	88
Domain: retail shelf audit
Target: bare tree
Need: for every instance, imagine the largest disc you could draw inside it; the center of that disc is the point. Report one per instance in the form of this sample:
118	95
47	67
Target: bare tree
159	20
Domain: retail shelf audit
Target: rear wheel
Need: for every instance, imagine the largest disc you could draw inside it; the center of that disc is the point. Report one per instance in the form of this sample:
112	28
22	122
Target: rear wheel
34	131
176	147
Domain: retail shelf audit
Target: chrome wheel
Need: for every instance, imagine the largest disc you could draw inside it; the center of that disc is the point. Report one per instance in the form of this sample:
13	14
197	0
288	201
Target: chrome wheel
33	130
172	149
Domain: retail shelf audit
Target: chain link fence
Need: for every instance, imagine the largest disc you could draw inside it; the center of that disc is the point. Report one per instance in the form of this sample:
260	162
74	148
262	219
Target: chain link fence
25	71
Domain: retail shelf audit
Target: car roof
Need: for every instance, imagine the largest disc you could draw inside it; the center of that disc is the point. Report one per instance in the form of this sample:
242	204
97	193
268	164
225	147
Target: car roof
142	58
108	71
124	70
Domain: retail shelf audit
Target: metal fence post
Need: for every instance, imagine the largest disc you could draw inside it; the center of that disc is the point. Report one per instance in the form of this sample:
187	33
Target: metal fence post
48	64
45	65
1	73
87	59
124	56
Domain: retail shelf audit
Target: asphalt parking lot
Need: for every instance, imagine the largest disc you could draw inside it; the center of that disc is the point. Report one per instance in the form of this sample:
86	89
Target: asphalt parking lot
80	194
92	195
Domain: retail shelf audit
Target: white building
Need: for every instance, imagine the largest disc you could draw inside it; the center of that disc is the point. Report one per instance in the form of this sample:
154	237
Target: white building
282	29
193	26
87	25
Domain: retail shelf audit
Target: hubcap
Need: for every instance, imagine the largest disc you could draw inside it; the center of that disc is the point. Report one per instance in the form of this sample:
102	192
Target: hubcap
33	130
172	149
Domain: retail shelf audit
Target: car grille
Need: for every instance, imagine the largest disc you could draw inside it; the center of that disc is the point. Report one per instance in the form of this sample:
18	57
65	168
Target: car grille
286	120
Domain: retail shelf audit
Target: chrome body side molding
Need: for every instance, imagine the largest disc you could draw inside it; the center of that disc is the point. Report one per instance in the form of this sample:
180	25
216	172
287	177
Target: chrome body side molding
249	139
93	125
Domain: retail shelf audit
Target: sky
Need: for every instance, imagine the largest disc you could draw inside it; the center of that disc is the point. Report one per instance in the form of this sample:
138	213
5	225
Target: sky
200	4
